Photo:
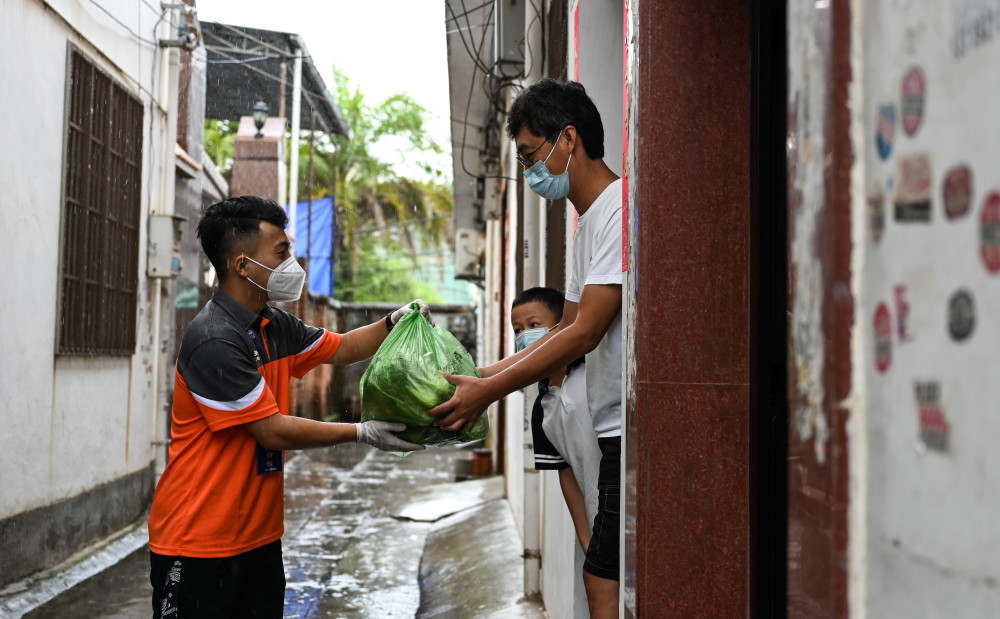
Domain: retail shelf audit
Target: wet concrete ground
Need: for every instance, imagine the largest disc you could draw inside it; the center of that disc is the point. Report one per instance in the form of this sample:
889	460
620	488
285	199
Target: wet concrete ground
356	524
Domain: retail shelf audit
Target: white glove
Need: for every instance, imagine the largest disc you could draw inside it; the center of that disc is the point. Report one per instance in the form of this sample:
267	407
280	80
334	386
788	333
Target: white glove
379	435
403	311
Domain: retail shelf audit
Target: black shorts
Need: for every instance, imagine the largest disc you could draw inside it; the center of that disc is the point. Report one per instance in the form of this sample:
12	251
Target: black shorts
603	553
251	584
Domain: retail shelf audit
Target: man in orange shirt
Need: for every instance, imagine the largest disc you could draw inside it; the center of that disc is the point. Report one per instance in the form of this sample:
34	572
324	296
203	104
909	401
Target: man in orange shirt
218	514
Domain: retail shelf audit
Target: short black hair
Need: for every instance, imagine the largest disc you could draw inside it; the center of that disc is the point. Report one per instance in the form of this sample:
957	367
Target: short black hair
234	222
549	104
550	297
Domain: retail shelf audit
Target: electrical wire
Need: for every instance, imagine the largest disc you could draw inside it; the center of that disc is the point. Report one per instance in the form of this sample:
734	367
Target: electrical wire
477	61
477	64
278	50
464	14
123	24
541	24
245	60
273	78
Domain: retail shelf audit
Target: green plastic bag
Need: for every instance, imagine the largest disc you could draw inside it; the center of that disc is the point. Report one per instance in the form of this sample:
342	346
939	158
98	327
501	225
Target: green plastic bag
402	381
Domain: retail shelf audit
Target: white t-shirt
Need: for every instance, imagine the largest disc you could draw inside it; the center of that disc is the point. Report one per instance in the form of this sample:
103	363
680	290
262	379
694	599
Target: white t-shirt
567	424
597	259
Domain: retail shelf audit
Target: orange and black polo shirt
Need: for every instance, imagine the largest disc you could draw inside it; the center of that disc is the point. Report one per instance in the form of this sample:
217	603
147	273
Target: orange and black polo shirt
221	494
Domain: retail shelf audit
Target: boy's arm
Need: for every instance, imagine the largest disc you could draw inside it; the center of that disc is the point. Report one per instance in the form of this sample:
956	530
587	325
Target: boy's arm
576	504
598	306
569	315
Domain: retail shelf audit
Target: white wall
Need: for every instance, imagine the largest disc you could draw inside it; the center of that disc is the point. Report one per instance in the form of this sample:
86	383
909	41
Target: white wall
562	557
601	57
926	544
69	423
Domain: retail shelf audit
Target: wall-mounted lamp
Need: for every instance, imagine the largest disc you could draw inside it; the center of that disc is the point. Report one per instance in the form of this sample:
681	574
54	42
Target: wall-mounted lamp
260	112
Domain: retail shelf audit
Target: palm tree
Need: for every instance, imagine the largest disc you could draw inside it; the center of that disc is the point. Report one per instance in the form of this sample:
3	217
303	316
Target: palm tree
384	215
408	216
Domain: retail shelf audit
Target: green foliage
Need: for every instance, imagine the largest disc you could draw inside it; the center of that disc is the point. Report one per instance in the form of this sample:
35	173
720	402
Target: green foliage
219	138
394	217
390	221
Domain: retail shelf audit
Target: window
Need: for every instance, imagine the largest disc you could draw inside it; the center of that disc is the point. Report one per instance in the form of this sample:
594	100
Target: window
101	208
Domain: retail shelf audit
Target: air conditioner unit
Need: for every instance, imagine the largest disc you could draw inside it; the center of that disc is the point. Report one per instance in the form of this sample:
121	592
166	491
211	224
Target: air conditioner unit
470	255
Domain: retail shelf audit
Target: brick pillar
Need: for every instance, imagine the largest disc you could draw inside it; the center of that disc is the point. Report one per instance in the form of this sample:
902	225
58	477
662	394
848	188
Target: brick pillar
687	452
259	163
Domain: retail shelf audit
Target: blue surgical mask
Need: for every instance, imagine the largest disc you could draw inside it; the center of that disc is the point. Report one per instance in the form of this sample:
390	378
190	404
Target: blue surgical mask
545	183
528	337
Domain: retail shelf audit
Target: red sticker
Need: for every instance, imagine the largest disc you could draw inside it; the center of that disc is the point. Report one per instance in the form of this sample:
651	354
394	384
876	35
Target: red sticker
883	338
935	431
902	313
989	232
957	192
913	189
912	108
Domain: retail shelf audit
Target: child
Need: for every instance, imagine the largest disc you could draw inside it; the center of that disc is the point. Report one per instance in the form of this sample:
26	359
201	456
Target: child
562	431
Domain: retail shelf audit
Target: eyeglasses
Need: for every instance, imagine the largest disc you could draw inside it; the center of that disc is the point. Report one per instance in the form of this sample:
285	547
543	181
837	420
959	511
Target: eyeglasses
526	159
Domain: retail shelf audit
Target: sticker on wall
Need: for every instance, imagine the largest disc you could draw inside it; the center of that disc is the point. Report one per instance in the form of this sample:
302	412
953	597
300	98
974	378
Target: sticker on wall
883	338
957	190
989	232
886	130
961	315
913	191
912	106
935	432
876	213
902	314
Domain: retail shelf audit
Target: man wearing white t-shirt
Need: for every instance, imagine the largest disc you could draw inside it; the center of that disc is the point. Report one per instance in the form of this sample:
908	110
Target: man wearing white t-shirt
559	137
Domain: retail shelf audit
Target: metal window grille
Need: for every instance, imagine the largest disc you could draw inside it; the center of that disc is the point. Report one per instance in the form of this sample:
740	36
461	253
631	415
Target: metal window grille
102	202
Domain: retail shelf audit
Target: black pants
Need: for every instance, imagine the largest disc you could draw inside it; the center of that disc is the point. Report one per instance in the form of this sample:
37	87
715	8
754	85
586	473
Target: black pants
251	584
604	550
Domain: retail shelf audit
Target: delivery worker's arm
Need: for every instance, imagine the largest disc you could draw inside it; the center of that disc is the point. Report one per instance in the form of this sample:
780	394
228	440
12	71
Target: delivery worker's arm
280	432
361	343
599	305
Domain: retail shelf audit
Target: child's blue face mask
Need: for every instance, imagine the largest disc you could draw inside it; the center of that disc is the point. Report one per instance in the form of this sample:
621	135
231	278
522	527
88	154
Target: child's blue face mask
545	183
528	337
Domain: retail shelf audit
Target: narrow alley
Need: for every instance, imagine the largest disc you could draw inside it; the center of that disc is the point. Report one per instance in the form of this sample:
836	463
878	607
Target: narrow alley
357	523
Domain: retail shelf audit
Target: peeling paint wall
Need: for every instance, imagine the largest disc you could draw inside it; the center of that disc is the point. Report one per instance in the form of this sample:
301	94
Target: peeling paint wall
930	205
806	151
820	306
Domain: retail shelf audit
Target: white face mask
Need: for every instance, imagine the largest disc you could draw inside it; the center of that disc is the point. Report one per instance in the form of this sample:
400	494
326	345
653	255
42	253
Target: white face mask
528	337
285	282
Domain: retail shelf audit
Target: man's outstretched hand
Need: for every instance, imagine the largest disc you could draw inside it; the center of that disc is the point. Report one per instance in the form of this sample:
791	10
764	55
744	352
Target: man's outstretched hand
379	434
472	396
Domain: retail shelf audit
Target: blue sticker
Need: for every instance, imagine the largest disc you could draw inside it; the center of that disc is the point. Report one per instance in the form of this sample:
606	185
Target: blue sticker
886	132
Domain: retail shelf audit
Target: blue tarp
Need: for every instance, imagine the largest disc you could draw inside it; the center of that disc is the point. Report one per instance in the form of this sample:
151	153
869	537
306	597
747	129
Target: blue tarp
319	247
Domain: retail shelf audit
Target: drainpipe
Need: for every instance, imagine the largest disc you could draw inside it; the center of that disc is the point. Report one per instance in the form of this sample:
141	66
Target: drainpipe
168	104
534	206
293	172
